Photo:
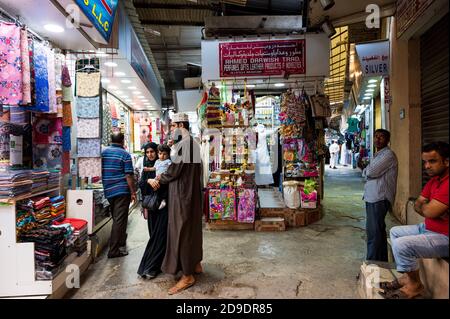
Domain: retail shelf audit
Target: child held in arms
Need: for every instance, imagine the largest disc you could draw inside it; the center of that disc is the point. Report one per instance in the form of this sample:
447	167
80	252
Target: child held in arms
161	166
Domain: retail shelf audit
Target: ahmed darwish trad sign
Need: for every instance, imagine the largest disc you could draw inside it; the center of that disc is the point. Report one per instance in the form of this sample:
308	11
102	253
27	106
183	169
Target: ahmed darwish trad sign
262	58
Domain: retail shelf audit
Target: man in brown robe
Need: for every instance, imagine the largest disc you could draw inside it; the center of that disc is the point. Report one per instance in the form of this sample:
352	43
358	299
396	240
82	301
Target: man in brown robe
184	176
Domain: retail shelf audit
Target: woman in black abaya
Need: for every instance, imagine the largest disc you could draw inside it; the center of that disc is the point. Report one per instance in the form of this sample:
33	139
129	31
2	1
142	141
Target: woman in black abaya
154	253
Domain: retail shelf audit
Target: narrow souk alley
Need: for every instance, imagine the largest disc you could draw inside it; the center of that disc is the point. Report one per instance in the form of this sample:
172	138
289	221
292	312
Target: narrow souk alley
298	263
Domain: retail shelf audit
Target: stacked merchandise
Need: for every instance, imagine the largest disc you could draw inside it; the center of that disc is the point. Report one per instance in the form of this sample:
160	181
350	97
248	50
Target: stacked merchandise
41	209
213	112
24	218
50	250
54	179
58	208
14	183
79	237
88	118
47	142
232	191
40	180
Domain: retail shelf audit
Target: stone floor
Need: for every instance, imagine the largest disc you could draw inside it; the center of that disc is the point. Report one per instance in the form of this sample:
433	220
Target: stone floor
318	261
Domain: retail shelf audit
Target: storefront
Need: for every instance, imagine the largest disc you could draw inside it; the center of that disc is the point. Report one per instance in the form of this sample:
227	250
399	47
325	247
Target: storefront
254	141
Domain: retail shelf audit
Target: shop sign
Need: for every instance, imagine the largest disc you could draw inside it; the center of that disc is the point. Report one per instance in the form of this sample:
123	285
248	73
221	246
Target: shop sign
262	58
139	61
407	13
100	13
374	58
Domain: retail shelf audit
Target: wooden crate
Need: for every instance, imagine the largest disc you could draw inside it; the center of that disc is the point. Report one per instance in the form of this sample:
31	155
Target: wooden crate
272	212
219	224
295	218
313	215
271	224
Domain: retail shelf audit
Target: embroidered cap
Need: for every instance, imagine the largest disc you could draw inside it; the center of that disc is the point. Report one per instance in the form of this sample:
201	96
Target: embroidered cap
180	117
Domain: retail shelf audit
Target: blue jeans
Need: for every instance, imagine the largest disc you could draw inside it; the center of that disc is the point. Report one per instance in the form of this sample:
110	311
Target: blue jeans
412	242
376	230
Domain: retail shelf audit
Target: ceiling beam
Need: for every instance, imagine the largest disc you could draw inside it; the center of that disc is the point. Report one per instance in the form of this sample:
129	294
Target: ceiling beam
167	6
174	49
173	22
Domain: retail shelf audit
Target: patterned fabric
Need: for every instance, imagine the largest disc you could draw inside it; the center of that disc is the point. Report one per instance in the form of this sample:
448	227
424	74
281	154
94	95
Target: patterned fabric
65	163
47	156
115	122
88	107
47	131
113	108
90	167
19	115
41	77
51	81
107	125
4	141
67	93
10	64
246	206
88	84
32	72
59	58
67	114
88	128
5	113
25	56
65	76
67	142
116	164
59	106
89	147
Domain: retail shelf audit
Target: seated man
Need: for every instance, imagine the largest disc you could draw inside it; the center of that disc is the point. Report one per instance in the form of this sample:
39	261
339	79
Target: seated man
426	240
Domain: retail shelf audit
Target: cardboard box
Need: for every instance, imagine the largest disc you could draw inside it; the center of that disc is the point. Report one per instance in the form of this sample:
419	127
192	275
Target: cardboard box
270	224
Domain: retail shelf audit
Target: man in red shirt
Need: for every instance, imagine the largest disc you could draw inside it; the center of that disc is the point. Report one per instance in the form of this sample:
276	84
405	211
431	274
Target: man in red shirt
426	240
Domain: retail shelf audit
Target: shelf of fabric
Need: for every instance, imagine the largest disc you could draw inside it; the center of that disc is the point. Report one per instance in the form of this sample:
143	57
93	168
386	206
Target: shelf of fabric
13	200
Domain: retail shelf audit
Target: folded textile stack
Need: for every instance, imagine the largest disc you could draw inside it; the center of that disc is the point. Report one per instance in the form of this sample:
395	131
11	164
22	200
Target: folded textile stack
42	209
80	233
54	179
14	183
49	250
40	180
25	220
58	208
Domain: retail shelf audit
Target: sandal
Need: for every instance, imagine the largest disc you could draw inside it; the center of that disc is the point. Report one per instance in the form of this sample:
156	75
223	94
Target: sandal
180	287
397	294
390	285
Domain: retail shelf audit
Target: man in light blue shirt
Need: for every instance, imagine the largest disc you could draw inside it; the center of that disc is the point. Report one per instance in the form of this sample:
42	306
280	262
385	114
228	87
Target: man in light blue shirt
379	194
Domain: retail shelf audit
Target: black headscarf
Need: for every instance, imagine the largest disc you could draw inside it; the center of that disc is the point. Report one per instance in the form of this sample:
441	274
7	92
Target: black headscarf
145	188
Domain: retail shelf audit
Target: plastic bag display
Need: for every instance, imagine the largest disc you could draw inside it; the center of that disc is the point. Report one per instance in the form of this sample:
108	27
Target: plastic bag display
291	194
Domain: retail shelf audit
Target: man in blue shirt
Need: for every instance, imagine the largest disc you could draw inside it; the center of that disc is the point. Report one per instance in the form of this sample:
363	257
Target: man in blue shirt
119	188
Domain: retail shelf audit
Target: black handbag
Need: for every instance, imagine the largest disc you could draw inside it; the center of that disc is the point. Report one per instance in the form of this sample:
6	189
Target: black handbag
151	202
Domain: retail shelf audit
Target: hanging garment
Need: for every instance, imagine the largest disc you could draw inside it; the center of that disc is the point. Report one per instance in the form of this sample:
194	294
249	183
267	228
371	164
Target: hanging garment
25	56
65	163
47	130
114	113
32	71
88	84
4	141
59	58
10	64
59	105
107	125
47	156
67	143
89	147
263	174
67	114
89	167
65	76
67	93
41	77
215	204
228	198
51	81
88	107
88	128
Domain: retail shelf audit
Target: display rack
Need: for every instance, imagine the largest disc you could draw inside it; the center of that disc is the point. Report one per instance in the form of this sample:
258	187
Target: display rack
17	268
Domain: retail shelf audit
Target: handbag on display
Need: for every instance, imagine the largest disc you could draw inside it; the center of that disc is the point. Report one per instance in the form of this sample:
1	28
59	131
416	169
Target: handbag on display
320	105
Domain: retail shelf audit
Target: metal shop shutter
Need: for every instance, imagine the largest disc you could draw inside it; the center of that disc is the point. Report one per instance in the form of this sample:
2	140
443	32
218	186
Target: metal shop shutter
434	55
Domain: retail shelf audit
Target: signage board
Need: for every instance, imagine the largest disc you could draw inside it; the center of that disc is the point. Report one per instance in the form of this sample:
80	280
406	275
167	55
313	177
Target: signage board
374	58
